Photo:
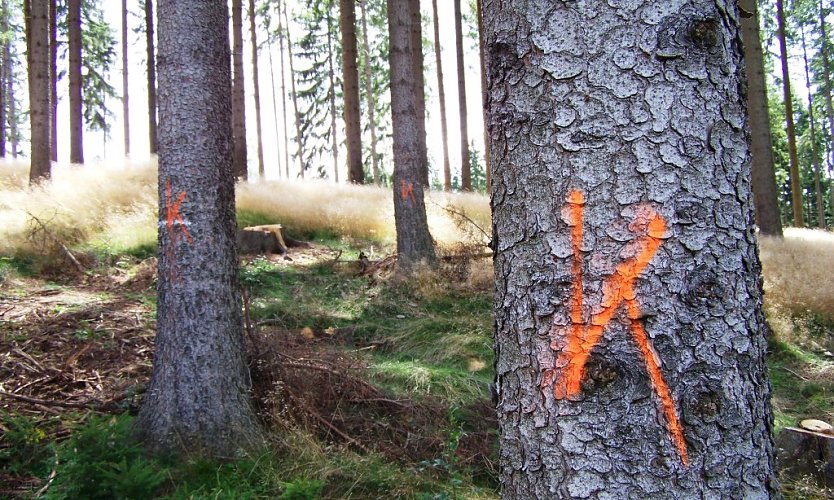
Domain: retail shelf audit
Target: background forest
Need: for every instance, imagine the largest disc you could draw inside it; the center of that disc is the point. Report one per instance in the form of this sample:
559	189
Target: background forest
376	386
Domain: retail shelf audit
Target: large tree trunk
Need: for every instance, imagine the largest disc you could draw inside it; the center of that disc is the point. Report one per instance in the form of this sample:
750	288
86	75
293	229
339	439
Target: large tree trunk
75	84
465	165
198	398
815	158
487	158
125	80
629	332
414	243
441	92
331	75
298	138
53	79
257	89
419	87
37	24
796	186
765	193
350	77
369	91
240	161
151	62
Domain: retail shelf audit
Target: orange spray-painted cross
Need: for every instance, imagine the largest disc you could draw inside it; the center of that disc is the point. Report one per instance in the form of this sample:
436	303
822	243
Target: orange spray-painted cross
566	376
173	216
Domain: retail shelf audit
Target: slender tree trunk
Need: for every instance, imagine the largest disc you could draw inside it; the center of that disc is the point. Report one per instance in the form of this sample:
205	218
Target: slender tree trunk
125	80
12	103
37	24
815	159
151	61
283	30
465	164
198	398
796	185
350	80
331	74
298	138
75	85
628	324
487	157
829	108
241	168
419	84
369	91
257	89
5	74
414	243
53	79
274	100
447	170
765	193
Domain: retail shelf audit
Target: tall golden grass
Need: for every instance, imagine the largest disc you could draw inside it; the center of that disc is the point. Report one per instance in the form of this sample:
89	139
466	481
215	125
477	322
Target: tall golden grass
116	204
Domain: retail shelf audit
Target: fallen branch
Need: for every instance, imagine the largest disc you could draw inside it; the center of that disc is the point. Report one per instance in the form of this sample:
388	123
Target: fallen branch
36	401
58	242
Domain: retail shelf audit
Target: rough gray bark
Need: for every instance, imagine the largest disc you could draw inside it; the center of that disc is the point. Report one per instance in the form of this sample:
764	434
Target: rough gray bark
765	193
198	398
796	186
465	165
441	92
419	87
253	32
151	69
369	91
37	36
125	80
241	168
414	243
75	89
350	81
629	332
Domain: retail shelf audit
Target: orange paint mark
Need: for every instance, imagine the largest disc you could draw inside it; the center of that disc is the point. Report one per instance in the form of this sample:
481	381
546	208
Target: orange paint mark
566	375
173	216
406	191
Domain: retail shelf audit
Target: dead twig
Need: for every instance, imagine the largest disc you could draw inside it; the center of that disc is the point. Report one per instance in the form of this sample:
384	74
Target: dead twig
36	401
58	242
49	479
462	217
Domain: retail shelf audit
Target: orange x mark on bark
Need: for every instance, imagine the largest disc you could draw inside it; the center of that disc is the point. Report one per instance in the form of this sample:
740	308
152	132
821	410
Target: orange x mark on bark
406	191
173	216
618	289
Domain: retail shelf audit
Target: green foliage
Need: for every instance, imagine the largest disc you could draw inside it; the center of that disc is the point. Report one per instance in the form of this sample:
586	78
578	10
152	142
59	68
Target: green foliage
800	387
102	460
25	450
302	489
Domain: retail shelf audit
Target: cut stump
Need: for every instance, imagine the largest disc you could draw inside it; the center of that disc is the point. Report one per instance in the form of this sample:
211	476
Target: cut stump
807	452
261	240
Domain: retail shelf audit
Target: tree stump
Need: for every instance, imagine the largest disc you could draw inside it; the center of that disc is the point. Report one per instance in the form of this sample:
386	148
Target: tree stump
807	452
261	240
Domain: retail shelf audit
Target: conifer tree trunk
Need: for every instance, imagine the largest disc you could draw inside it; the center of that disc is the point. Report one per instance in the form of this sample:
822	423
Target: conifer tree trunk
628	324
151	70
298	139
765	193
5	75
75	84
414	243
447	169
125	80
37	35
350	80
465	165
282	30
796	185
274	98
419	87
482	52
11	101
815	159
241	168
257	89
369	91
53	79
197	401
829	108
331	74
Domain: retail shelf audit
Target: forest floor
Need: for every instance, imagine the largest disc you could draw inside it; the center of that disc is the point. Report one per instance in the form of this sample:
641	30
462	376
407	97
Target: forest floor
371	386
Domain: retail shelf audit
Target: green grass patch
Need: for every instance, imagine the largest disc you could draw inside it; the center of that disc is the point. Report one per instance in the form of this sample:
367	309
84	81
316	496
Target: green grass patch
801	388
